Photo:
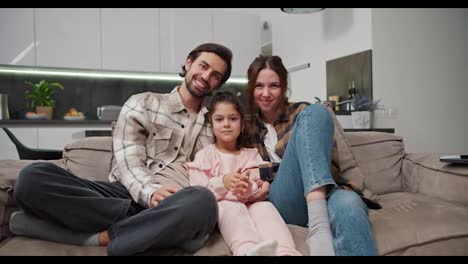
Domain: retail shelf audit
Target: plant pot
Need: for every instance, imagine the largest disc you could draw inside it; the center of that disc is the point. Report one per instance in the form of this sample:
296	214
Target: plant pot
47	110
362	119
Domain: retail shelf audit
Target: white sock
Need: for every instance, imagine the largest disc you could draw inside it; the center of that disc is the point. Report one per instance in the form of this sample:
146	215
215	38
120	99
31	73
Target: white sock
320	238
265	248
23	224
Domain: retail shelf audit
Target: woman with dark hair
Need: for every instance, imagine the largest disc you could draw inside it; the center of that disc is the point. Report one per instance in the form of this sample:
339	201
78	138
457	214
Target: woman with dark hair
300	137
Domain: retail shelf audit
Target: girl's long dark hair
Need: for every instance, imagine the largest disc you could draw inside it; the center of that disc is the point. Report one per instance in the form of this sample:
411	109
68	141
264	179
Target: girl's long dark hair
228	97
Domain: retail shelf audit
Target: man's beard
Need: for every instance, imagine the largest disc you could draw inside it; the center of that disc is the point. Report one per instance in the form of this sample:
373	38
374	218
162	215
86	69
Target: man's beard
193	91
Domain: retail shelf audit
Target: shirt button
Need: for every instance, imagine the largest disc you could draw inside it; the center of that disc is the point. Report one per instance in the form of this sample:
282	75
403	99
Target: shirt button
182	126
160	166
176	148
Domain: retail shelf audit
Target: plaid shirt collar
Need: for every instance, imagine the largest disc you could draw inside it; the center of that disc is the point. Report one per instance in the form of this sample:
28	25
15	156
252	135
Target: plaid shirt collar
176	105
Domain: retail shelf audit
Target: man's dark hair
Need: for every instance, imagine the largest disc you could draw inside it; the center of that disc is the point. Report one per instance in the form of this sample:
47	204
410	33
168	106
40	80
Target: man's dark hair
217	49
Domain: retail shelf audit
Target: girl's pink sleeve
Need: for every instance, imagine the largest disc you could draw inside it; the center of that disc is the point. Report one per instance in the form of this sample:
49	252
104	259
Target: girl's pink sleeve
201	172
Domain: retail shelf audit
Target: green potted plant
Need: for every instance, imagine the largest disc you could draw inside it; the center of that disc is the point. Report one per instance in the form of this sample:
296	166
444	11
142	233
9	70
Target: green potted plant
363	108
41	96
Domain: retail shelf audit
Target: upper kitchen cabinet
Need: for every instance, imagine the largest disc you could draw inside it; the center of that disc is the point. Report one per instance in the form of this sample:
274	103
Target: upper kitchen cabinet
17	36
184	29
130	39
242	34
68	37
181	30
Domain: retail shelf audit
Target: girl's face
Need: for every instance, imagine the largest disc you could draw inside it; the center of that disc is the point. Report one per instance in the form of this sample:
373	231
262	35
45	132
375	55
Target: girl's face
267	93
226	123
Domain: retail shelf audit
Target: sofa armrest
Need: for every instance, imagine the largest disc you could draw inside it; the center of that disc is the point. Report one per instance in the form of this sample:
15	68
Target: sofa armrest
423	173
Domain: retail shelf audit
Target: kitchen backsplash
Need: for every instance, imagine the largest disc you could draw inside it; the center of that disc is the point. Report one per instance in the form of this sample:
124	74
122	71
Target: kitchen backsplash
86	94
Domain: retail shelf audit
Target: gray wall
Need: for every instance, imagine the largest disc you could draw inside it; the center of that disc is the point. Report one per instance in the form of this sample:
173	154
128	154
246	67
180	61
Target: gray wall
420	70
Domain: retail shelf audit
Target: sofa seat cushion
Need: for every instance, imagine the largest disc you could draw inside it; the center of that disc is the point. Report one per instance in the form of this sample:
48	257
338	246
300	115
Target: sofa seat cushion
22	246
215	246
413	223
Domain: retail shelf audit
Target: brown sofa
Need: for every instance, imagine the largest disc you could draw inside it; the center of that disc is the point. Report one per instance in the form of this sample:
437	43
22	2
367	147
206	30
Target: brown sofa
425	202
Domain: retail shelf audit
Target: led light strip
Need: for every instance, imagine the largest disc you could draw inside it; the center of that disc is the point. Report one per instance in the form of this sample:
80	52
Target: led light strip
122	75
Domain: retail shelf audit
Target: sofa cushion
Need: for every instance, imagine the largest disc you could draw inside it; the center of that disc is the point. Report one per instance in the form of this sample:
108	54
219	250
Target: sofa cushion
89	158
410	223
215	246
423	173
16	246
380	157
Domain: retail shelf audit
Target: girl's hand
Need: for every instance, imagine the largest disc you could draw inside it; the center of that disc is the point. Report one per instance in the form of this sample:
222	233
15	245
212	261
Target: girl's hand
231	179
243	188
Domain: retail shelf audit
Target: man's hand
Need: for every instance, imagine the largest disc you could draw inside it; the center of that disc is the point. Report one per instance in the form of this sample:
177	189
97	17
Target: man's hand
163	192
262	193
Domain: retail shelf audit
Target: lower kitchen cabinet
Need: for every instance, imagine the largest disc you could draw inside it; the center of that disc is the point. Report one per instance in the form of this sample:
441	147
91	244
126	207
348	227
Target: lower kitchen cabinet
26	135
55	137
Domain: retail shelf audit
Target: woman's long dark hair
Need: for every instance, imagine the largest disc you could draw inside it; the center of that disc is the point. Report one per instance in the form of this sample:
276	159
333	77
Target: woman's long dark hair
260	63
228	97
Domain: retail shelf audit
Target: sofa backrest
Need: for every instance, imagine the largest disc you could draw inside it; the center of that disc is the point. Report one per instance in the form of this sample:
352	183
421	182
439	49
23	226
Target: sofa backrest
380	157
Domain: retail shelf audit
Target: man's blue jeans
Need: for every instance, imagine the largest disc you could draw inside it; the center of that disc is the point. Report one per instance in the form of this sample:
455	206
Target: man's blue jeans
305	167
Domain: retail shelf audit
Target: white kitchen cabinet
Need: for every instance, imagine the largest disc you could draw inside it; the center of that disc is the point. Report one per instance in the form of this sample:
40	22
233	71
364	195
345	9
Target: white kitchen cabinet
58	137
181	30
184	29
42	137
130	39
26	135
68	37
17	36
242	34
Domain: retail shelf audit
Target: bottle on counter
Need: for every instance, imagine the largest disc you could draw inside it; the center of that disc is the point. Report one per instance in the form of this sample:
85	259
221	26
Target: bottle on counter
350	97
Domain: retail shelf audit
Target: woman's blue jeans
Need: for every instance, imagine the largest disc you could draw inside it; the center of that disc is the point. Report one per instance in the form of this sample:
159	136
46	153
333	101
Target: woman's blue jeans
306	166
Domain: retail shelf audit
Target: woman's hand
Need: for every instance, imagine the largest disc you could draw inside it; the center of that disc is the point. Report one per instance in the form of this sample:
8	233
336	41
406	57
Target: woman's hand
262	193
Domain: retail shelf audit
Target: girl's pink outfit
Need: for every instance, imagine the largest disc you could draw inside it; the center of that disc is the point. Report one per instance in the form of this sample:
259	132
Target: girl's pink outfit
242	226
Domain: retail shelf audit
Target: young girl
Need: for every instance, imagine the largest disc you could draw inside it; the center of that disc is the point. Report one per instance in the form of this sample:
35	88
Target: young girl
230	171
